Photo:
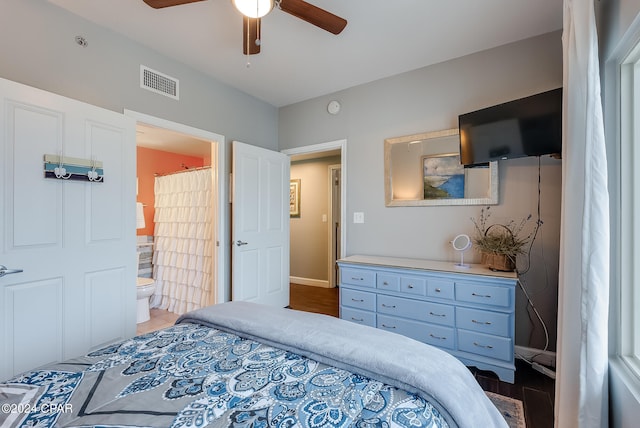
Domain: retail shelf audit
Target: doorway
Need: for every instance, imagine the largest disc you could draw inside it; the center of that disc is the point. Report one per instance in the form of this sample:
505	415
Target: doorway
319	224
174	137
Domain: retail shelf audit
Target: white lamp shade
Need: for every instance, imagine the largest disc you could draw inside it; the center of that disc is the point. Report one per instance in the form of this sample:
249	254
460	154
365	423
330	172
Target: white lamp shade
253	8
140	216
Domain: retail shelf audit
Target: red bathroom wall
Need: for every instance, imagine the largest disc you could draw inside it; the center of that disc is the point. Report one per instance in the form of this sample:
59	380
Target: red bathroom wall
151	162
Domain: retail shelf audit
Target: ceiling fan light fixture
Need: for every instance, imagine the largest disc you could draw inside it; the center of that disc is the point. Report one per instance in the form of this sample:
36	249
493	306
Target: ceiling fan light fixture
253	8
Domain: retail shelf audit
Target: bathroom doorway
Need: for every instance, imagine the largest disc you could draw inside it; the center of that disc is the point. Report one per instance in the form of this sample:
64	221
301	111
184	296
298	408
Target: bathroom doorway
172	147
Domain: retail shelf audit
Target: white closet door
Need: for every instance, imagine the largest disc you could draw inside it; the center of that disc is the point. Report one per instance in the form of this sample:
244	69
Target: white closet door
74	240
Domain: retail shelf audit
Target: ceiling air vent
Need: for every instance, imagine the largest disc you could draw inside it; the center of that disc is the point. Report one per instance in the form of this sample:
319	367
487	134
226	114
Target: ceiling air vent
159	83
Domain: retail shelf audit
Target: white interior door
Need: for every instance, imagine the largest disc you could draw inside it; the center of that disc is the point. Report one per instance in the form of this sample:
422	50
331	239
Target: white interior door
260	225
74	240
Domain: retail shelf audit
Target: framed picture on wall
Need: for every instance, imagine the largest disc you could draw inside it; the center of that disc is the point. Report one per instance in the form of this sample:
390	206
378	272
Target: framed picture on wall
294	198
443	176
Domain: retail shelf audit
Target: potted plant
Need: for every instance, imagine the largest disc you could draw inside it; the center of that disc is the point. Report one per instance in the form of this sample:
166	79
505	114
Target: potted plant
499	244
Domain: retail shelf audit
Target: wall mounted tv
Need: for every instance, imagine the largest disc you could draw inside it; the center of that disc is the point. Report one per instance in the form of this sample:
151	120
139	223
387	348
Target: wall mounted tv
530	126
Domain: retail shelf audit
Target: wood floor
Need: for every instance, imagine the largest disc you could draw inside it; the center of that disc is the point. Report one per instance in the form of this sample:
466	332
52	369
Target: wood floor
159	319
535	390
314	299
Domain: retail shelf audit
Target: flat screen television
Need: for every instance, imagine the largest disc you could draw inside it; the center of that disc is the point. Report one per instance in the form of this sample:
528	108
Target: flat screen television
530	126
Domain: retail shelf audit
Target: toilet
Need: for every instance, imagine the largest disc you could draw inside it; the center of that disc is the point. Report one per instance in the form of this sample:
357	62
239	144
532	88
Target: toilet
144	289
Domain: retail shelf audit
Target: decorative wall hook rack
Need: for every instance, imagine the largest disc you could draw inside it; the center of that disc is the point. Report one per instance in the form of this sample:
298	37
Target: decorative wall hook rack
76	169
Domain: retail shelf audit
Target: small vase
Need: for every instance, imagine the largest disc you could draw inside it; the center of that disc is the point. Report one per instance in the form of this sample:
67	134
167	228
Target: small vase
499	262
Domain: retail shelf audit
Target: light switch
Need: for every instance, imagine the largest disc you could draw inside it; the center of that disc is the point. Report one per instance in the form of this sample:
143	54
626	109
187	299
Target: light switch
358	217
324	218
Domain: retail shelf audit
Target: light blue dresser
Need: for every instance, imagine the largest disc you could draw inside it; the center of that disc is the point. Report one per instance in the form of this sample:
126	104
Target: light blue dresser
468	312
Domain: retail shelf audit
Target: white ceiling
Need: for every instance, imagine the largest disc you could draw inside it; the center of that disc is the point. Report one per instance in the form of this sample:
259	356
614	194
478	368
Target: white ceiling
299	61
171	141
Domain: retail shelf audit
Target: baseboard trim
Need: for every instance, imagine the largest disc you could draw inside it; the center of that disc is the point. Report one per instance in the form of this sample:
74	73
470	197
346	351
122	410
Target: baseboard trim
546	358
309	281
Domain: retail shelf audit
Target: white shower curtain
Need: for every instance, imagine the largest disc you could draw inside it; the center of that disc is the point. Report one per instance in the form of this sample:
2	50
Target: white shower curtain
183	241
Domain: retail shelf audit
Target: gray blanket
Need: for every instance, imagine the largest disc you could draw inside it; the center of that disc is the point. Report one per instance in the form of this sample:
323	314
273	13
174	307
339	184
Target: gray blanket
388	357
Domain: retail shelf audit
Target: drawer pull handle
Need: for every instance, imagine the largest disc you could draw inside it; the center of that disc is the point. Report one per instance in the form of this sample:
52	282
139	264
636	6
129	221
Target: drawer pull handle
388	306
357	279
437	337
488	296
388	326
433	314
481	322
438	290
482	346
357	300
385	283
410	286
357	319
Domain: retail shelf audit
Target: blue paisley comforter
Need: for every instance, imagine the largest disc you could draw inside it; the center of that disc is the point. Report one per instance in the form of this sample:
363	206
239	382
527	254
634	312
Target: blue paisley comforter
194	375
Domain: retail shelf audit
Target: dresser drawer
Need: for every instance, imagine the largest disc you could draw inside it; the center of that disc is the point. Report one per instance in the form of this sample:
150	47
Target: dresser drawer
484	344
358	299
411	285
385	281
363	278
440	336
440	288
483	321
439	314
483	294
416	309
358	316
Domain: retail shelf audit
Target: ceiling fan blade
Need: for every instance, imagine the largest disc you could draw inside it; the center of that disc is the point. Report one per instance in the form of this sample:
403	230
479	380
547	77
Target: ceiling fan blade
159	4
314	15
251	35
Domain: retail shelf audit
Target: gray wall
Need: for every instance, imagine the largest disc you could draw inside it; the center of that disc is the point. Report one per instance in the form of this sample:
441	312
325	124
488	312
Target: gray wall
430	99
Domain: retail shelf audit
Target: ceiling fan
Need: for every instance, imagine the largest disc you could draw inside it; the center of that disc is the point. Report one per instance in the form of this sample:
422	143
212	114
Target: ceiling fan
253	10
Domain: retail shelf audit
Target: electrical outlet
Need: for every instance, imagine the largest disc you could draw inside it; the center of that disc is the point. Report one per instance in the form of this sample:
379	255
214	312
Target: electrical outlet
358	217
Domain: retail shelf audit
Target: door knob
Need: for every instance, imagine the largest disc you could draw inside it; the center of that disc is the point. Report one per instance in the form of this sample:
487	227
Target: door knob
241	243
4	271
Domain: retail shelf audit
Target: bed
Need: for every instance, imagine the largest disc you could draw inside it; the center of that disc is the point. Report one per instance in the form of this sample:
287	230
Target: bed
241	364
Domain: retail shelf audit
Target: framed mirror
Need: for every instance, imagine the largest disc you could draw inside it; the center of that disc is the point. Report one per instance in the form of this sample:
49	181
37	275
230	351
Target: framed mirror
425	170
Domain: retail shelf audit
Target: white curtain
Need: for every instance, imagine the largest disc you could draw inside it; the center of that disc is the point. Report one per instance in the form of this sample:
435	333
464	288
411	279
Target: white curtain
583	300
183	244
